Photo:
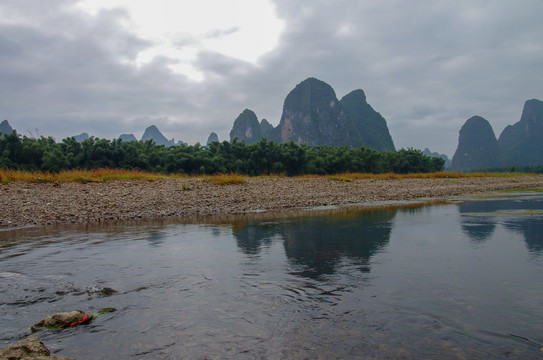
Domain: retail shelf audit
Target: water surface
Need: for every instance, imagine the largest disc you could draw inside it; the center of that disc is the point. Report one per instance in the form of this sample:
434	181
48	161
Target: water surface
460	281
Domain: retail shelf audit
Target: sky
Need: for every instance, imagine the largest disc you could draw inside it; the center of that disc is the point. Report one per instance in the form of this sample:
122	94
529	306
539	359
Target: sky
111	67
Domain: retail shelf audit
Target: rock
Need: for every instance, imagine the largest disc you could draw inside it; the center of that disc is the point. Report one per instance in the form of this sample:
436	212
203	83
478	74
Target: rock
81	137
127	137
29	348
246	128
100	291
5	128
106	310
478	148
427	152
62	320
312	115
265	128
107	291
522	143
212	138
371	126
152	133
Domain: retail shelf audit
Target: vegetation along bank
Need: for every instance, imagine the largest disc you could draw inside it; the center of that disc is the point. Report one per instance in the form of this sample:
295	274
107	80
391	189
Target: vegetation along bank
261	158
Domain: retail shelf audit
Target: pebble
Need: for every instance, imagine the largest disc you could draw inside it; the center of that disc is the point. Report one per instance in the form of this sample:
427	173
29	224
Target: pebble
26	204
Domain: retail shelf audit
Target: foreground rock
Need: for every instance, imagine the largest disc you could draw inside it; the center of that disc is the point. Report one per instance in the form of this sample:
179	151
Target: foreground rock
67	319
29	348
63	320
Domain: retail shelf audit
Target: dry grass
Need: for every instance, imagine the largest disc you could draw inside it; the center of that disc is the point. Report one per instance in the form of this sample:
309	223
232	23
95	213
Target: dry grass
79	175
272	176
341	177
310	176
435	175
219	179
226	179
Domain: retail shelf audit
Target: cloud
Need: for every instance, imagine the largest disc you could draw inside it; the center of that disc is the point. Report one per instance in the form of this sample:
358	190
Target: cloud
219	33
68	76
426	67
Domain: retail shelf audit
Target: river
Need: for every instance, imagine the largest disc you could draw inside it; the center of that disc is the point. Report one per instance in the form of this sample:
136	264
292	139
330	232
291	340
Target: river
456	280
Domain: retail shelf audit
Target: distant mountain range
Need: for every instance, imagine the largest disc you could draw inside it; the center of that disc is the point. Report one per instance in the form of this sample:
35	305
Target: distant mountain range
151	133
520	144
447	165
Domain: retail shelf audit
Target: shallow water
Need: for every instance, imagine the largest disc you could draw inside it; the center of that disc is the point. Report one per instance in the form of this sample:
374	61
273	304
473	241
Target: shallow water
460	281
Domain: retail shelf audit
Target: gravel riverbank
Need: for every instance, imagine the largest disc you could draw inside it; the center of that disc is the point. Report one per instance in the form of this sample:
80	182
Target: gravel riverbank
25	204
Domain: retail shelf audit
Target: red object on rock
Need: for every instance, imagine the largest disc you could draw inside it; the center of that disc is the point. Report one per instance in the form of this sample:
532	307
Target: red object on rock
85	318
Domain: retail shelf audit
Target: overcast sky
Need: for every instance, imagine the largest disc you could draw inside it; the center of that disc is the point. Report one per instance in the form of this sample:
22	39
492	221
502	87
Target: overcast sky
108	67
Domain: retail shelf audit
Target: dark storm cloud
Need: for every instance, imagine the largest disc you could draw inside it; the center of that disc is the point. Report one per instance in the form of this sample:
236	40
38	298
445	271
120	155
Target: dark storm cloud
427	66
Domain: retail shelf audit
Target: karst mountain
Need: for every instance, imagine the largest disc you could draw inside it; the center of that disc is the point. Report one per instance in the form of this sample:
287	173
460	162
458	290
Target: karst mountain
313	115
520	144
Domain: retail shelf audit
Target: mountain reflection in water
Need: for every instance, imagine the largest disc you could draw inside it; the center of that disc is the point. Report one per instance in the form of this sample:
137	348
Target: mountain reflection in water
316	247
523	214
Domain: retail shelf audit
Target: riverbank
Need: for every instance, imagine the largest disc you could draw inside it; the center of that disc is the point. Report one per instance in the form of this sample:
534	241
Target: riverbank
27	203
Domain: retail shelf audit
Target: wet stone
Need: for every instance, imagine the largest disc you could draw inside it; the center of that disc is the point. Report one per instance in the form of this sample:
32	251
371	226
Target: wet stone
29	348
62	320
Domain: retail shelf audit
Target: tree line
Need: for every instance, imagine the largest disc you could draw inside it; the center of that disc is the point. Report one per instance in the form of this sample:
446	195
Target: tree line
262	158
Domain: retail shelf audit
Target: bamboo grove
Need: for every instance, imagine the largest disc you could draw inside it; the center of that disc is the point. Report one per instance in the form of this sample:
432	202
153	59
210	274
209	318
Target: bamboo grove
262	158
